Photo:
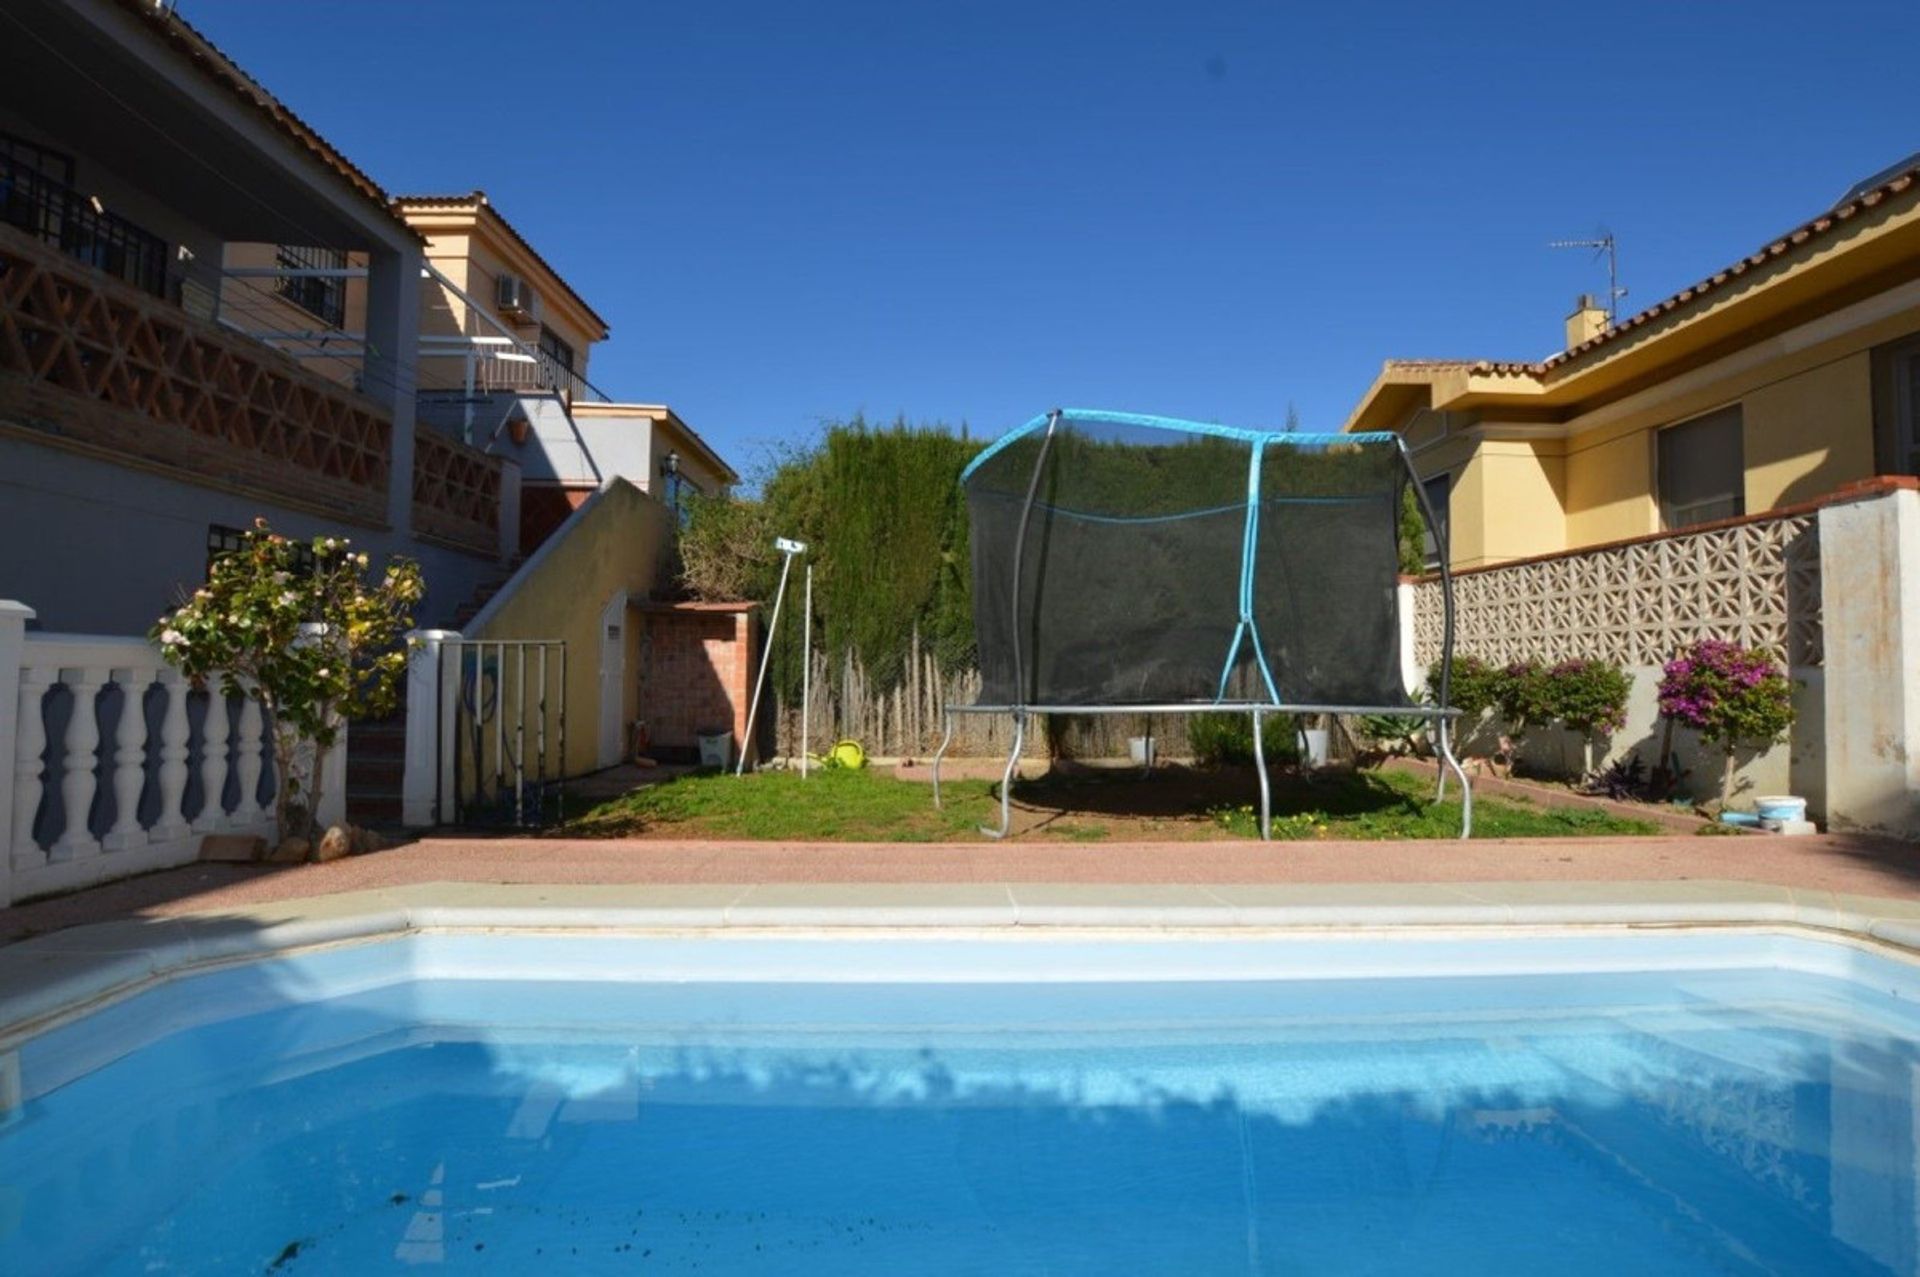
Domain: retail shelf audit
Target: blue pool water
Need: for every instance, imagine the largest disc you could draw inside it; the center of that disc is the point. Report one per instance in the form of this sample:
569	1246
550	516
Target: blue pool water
473	1103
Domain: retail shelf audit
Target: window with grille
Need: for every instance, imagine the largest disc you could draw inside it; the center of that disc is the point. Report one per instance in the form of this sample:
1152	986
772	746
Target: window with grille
323	297
1702	470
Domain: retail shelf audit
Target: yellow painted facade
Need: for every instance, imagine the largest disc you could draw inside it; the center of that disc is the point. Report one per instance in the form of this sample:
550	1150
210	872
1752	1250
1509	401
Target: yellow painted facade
1564	454
472	245
615	547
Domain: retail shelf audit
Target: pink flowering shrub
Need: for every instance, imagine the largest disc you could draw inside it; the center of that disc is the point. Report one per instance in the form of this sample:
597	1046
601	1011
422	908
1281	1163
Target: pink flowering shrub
1731	695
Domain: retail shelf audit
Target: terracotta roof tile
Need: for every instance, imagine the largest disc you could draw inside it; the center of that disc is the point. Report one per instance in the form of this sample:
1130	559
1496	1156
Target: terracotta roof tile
1816	228
1806	233
211	62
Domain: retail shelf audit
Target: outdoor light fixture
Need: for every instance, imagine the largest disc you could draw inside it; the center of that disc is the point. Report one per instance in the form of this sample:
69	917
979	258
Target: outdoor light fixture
670	464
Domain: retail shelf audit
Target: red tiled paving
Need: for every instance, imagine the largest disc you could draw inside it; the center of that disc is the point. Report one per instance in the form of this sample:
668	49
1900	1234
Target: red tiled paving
1841	863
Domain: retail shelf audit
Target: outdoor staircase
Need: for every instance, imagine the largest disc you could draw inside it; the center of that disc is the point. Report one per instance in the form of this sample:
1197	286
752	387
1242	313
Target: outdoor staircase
377	748
483	592
376	770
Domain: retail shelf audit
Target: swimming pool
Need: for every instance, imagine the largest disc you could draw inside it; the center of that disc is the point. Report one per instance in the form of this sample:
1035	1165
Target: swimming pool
1725	1101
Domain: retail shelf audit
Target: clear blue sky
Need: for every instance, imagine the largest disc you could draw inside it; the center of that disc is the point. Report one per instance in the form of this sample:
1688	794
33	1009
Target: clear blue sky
792	212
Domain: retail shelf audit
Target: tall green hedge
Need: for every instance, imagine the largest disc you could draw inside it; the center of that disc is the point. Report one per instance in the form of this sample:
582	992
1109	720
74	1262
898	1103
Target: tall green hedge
881	510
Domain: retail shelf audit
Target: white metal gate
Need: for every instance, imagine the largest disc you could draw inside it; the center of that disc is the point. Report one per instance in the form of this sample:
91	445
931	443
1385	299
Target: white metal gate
508	727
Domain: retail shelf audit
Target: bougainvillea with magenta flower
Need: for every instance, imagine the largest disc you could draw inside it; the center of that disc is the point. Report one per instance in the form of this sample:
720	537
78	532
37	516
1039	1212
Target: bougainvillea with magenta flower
1731	695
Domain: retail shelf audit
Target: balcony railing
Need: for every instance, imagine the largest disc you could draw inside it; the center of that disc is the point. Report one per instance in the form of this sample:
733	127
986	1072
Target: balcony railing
91	364
57	215
487	365
456	492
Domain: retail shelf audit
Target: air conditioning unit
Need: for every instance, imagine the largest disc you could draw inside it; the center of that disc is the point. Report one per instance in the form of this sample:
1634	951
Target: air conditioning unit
515	297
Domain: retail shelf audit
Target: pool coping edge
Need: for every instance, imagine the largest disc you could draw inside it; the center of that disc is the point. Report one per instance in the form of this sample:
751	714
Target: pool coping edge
68	972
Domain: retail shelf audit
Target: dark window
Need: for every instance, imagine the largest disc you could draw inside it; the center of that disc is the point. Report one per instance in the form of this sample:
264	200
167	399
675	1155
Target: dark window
1897	406
555	348
1437	490
323	297
1702	470
223	540
38	197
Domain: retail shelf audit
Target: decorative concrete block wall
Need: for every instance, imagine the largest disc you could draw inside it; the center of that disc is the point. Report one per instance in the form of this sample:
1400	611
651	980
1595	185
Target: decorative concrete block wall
1830	589
1638	604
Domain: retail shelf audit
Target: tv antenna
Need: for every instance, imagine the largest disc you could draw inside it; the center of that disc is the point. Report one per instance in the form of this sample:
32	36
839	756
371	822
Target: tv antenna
1602	243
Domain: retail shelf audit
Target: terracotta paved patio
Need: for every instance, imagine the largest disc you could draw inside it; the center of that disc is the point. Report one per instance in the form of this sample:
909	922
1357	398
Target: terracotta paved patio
1836	863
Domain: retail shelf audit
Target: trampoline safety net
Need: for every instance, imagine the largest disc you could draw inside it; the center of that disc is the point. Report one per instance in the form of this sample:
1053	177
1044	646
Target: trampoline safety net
1127	560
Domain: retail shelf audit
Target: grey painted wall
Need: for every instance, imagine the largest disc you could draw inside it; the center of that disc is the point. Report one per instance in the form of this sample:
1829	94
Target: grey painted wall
96	548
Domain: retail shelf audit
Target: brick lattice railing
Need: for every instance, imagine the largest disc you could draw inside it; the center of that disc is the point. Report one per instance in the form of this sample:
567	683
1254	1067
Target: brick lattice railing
1754	582
456	492
92	364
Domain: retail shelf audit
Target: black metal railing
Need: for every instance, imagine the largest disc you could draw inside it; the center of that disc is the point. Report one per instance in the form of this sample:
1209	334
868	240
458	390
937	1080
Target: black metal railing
56	214
324	297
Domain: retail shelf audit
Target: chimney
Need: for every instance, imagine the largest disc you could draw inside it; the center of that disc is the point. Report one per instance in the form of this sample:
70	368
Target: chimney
1588	320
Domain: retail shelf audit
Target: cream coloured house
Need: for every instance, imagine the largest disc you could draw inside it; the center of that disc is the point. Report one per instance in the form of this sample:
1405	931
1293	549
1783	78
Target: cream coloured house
1774	381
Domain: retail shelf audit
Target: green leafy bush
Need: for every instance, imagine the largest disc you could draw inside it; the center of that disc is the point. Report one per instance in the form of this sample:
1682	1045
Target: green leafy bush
1589	696
1218	739
1395	733
310	628
1523	693
886	524
1471	684
1412	531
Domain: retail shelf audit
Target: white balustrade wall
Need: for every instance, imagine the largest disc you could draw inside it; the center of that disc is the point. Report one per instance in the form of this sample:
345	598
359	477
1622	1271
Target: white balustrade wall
114	765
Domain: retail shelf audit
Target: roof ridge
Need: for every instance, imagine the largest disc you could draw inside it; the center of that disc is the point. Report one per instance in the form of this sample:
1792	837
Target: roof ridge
1815	227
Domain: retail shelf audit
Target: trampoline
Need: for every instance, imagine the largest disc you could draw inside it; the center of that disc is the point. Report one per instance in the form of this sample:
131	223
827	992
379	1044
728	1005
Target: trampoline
1125	564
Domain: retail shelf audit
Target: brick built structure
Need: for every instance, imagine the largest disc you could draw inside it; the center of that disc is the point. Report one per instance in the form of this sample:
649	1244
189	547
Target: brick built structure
696	673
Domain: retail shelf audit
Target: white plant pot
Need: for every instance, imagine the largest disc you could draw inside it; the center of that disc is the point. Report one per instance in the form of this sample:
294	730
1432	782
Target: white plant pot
716	750
1316	740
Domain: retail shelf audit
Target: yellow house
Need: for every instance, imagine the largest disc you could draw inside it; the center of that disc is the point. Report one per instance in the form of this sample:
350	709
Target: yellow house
489	270
504	344
1788	374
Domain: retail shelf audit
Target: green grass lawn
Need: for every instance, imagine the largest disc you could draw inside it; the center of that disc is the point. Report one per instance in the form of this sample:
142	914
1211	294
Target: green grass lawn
875	807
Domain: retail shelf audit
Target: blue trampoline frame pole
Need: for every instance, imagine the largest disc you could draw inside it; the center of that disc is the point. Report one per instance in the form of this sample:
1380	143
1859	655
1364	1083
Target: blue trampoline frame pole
1260	769
1019	659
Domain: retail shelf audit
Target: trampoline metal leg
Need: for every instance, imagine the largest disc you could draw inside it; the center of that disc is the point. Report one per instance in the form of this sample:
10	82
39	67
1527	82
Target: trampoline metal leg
1006	778
1260	770
938	754
1440	747
1466	788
